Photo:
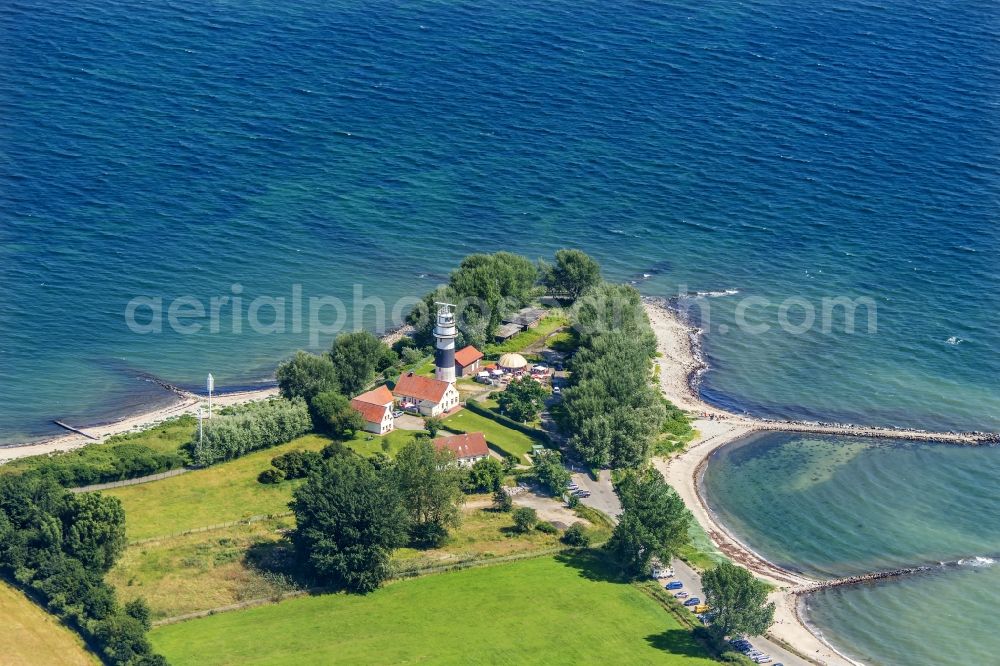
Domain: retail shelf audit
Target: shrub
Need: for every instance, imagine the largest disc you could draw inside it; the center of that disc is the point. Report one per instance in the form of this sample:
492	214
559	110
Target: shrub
297	464
525	519
255	426
546	527
502	501
576	535
271	475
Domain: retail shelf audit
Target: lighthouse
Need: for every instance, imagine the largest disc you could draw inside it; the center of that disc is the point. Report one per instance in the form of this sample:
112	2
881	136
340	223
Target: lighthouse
444	335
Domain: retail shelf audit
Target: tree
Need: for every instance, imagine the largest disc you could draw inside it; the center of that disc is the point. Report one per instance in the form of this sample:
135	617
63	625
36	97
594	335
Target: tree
576	535
95	530
297	464
254	426
502	501
433	425
430	487
573	273
523	399
525	518
738	599
139	609
357	357
654	522
333	413
348	521
485	476
305	375
550	472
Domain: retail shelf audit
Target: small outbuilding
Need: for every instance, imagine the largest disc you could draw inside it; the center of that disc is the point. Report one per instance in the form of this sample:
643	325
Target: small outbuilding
506	332
525	317
467	360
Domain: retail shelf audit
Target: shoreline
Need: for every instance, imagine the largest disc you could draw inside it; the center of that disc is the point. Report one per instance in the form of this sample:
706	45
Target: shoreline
186	403
676	342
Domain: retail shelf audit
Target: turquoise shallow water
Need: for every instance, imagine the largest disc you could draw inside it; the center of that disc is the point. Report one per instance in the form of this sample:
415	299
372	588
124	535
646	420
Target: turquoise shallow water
834	507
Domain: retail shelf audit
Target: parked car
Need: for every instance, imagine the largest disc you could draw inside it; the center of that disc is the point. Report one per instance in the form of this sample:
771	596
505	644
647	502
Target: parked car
693	601
397	413
681	595
674	585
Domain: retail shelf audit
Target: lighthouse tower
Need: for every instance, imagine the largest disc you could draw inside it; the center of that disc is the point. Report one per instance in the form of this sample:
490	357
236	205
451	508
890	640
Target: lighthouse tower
444	334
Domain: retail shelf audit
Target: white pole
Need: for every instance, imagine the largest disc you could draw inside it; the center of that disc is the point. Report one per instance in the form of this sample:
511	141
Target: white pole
201	434
211	385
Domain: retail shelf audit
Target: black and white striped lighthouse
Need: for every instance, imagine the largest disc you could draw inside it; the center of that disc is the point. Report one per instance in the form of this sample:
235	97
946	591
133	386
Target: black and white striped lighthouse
444	334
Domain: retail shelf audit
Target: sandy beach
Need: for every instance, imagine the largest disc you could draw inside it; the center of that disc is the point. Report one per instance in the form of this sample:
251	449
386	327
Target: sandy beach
678	363
187	403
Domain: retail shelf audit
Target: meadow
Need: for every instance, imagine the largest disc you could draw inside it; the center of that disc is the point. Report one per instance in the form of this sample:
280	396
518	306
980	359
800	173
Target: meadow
499	436
543	610
219	494
32	637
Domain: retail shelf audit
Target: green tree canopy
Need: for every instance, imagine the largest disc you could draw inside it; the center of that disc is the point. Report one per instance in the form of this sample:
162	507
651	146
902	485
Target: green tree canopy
485	476
305	375
430	487
654	522
357	357
573	273
348	521
333	413
550	472
485	287
95	529
525	518
738	599
523	400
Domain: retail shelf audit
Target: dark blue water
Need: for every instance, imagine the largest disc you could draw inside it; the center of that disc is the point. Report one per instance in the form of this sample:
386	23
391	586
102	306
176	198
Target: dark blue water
777	148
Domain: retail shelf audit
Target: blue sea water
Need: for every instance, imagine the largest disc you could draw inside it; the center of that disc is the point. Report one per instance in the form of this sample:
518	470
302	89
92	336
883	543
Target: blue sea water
780	149
783	149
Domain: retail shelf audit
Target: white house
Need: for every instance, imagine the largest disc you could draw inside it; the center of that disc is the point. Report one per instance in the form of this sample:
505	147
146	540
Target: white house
375	408
432	397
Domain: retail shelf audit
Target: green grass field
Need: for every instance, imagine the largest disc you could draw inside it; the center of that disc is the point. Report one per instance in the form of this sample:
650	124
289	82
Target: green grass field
219	494
199	571
206	570
545	611
32	637
390	443
508	440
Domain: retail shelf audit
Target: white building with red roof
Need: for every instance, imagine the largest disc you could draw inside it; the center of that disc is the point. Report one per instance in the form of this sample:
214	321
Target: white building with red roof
430	397
468	448
375	407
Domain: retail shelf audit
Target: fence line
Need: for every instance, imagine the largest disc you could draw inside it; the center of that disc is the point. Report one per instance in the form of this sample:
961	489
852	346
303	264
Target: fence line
132	482
208	528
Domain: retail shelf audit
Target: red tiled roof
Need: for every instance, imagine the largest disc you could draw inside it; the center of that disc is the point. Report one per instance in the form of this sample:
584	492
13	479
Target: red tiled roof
380	396
464	446
421	388
371	413
467	356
